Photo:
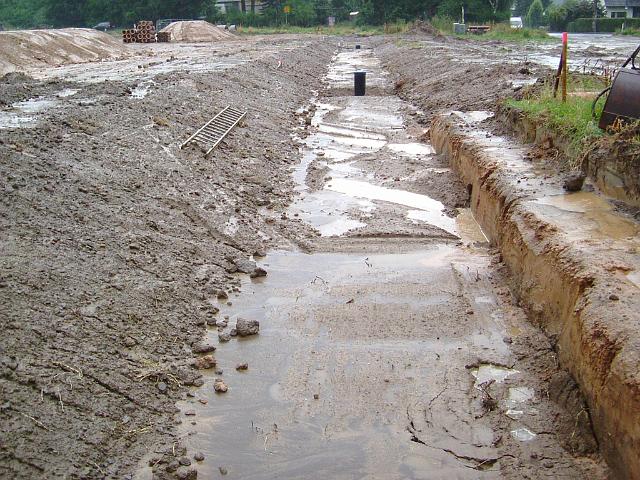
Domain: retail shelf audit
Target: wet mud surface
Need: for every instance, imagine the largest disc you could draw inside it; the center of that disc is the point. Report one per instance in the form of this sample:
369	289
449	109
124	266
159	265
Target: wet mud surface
389	343
113	242
392	348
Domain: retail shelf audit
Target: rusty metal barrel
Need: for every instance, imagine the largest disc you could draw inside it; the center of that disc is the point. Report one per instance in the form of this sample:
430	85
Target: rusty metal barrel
359	83
623	102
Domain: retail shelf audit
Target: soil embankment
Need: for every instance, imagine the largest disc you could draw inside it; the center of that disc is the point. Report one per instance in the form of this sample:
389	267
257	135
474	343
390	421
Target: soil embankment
196	31
113	240
574	263
26	49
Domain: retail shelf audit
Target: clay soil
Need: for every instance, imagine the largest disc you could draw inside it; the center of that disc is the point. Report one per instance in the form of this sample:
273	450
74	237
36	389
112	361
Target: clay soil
114	240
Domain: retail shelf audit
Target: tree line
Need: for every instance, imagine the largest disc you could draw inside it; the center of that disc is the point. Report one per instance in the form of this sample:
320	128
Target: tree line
123	13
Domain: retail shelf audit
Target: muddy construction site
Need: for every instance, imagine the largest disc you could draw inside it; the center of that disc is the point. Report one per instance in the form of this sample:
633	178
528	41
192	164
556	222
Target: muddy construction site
388	286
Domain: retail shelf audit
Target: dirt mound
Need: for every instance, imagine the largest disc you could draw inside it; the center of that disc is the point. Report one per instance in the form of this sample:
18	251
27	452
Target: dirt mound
424	27
196	31
27	49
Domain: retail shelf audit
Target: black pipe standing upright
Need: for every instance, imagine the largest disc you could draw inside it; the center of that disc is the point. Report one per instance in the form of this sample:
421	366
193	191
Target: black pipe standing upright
359	83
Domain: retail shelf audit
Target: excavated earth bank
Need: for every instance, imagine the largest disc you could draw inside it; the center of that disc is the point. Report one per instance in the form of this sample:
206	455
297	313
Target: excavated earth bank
575	271
48	48
580	287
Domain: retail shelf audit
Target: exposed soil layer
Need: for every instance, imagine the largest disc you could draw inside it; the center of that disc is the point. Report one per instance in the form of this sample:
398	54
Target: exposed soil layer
196	31
574	270
612	162
114	242
47	48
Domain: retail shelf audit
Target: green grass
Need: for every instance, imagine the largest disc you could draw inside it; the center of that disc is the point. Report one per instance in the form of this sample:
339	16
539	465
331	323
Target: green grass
339	29
504	32
630	31
571	120
499	31
443	24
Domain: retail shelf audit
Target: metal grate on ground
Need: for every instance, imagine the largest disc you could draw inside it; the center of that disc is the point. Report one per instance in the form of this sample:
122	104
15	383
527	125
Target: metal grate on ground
214	131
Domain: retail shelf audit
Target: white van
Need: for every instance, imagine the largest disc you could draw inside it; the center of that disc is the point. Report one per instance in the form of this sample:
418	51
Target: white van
516	22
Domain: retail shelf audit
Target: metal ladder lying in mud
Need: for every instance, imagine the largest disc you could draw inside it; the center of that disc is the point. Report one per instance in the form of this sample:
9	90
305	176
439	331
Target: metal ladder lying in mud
214	131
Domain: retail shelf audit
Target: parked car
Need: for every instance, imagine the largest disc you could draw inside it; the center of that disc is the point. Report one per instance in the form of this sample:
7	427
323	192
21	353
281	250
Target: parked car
104	26
516	22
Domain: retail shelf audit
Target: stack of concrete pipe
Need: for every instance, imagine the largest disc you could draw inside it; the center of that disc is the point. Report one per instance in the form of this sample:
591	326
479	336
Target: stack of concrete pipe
143	32
146	32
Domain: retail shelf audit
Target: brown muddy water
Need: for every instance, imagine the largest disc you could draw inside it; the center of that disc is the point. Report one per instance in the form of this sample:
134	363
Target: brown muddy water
349	344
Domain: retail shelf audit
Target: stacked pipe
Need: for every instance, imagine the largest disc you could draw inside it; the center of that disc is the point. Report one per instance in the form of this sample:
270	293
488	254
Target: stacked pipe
129	36
163	36
143	32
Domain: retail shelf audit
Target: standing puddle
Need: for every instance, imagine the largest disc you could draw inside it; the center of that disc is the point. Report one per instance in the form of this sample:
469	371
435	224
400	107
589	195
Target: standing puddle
25	114
342	351
431	210
600	218
488	372
347	129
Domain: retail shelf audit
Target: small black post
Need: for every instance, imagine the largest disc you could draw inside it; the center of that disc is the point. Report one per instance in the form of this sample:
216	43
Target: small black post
358	47
359	83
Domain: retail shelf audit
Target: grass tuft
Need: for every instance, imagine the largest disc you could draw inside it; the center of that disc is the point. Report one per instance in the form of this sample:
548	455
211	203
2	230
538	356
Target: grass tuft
503	31
339	29
573	119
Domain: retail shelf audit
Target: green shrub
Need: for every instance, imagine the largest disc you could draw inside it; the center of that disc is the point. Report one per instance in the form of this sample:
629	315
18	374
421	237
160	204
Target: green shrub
631	31
559	16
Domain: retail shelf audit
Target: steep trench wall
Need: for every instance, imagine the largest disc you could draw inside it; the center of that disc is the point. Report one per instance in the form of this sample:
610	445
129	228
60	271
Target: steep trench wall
567	290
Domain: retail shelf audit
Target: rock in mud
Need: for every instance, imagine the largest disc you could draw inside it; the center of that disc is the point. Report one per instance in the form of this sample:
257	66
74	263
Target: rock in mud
187	473
185	461
222	295
198	382
222	323
224	337
204	363
219	386
233	332
245	265
203	348
162	387
198	457
242	366
246	327
223	471
258	272
574	182
129	342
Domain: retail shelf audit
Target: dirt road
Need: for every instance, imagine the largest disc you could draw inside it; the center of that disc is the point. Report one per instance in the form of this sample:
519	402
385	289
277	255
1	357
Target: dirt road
390	345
